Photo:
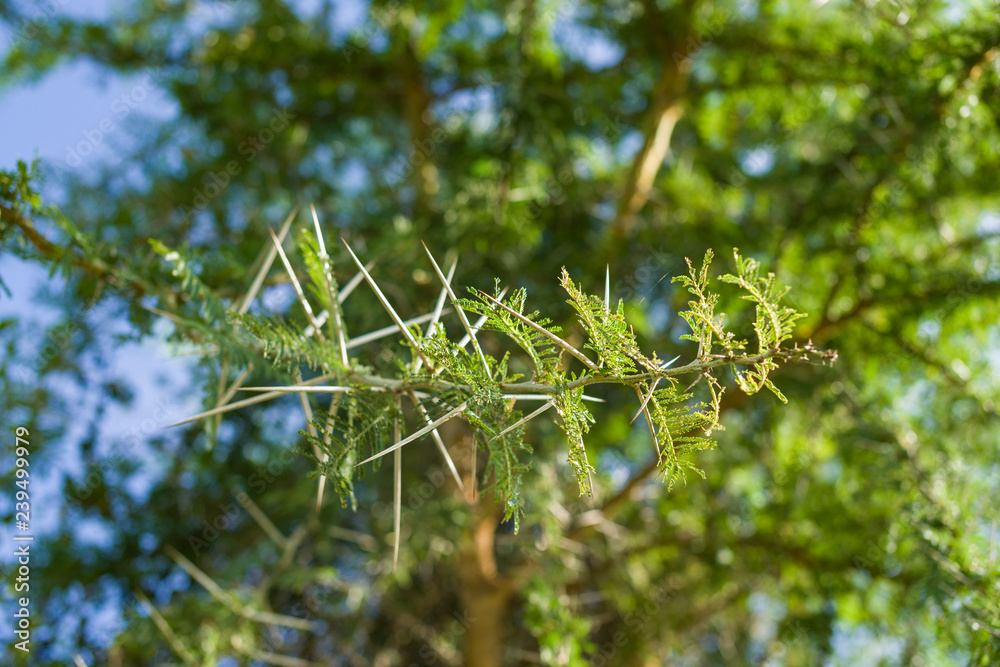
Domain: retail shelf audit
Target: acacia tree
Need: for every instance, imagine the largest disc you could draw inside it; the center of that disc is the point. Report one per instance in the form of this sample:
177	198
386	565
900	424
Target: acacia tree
850	148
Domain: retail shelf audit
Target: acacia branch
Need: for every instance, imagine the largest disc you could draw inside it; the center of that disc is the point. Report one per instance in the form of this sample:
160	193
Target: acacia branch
696	367
54	253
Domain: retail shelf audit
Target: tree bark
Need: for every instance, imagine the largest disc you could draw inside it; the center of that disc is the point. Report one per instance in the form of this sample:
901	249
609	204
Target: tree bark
675	41
485	592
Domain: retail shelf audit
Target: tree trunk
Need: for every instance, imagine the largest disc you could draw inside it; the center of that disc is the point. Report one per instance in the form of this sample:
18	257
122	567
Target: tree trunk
484	591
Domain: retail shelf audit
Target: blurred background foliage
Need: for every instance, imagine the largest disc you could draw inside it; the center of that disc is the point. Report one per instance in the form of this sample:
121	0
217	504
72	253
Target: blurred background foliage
852	146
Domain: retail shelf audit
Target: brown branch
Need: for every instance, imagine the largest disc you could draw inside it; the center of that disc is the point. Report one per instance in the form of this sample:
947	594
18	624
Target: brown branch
666	111
53	253
825	331
954	379
666	106
613	503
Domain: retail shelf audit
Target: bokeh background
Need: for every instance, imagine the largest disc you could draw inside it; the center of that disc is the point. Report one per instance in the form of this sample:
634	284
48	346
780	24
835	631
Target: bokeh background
851	146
